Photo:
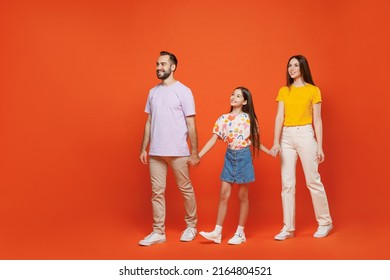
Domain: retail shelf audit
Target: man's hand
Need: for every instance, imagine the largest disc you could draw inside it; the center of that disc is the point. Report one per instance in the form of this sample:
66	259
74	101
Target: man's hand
194	160
144	157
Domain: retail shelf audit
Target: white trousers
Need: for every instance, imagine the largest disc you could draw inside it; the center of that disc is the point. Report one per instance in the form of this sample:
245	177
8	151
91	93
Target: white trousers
300	141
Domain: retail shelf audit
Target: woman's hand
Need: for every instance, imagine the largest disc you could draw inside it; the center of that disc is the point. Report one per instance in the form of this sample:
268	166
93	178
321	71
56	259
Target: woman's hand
320	155
275	150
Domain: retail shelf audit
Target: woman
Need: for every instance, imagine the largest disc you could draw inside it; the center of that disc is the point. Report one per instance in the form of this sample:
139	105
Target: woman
299	109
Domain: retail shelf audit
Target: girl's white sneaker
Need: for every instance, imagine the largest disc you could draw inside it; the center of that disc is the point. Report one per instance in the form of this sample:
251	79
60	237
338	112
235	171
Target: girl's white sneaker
212	236
237	239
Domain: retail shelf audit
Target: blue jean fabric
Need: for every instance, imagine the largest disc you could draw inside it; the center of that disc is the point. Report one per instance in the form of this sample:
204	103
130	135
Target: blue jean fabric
238	166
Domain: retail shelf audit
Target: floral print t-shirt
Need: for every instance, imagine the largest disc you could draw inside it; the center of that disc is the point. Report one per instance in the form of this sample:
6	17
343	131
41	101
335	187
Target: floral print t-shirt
234	129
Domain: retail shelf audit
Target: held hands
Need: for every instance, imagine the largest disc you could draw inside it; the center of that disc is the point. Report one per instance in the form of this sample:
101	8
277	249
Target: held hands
275	150
194	160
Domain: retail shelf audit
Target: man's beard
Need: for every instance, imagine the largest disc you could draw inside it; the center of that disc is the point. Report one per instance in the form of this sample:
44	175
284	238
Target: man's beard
163	75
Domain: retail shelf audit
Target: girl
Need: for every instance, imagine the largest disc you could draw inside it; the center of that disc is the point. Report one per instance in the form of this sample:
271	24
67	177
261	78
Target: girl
239	129
299	108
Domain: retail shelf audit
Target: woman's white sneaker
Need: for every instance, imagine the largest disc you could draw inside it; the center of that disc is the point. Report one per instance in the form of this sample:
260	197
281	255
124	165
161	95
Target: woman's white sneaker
284	234
323	231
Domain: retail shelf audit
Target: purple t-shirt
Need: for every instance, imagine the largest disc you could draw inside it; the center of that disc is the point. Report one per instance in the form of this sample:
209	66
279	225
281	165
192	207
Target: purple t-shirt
168	107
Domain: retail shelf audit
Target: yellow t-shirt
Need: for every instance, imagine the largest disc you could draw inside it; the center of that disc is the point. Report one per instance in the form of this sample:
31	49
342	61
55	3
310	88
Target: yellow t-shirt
298	103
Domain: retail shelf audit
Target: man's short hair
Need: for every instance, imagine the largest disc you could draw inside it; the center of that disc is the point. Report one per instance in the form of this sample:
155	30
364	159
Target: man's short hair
172	57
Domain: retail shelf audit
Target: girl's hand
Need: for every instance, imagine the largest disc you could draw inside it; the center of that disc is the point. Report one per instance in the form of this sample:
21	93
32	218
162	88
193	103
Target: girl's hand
272	154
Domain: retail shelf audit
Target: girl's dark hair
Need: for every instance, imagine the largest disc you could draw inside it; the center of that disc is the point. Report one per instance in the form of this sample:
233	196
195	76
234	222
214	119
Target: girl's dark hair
304	68
250	110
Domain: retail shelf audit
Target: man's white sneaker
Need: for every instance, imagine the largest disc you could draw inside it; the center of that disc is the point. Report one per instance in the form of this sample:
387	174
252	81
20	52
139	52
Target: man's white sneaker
188	234
237	239
153	238
212	236
323	231
284	234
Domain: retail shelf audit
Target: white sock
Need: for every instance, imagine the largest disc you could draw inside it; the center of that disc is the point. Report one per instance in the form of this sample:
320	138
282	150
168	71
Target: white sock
240	229
218	229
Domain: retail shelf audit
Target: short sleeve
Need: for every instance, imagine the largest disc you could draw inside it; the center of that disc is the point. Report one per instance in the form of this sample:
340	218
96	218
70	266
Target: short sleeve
218	127
147	106
188	103
282	93
316	95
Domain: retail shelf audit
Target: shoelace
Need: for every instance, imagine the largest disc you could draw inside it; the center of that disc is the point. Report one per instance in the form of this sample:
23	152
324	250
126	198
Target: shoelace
188	232
149	236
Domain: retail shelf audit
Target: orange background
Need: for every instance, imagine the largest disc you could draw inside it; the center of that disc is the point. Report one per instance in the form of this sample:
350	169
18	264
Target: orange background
74	82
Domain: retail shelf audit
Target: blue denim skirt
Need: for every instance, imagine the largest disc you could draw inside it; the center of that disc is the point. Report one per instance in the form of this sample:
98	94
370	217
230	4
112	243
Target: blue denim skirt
238	166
